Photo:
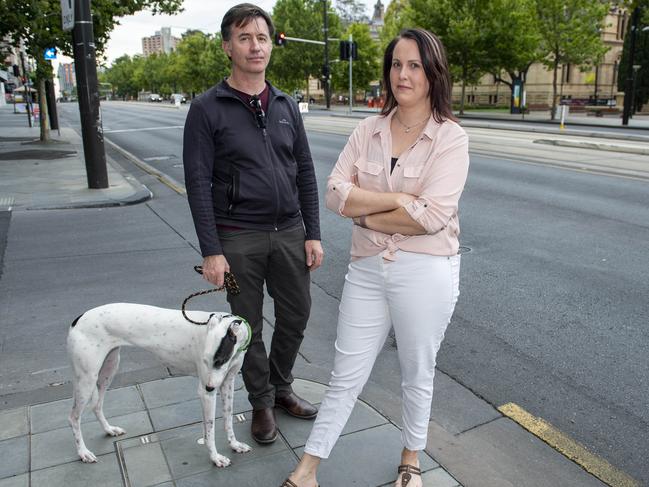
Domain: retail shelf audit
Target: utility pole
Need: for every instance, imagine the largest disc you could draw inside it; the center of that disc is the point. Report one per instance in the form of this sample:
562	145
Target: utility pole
325	69
628	84
87	90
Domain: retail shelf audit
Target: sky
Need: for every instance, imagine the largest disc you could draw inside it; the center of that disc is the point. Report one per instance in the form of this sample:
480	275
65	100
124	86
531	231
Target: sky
205	15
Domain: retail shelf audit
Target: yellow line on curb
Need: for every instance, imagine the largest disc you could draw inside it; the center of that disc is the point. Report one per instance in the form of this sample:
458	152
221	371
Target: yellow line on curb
568	447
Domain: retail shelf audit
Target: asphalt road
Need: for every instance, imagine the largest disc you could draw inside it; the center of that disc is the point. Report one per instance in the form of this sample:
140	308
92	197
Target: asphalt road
553	311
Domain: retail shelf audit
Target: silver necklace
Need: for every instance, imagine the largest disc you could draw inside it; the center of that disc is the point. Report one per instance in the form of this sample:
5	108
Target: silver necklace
409	128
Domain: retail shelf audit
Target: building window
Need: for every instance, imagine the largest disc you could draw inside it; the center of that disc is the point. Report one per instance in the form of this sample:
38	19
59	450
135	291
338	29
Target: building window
565	75
621	25
470	98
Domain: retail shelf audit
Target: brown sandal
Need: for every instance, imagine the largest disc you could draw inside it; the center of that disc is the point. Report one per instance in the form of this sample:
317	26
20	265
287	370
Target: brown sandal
290	483
407	470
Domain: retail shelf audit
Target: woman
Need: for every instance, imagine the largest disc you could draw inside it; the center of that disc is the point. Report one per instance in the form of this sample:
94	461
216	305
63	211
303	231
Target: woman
399	178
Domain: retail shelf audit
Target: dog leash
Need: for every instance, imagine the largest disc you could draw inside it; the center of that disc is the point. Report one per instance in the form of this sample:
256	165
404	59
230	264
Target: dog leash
229	284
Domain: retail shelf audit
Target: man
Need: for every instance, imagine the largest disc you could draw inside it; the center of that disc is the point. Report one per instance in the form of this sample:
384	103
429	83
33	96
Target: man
252	192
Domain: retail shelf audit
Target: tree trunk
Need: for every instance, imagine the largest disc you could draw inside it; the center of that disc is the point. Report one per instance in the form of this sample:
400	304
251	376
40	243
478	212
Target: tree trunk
307	97
554	88
43	117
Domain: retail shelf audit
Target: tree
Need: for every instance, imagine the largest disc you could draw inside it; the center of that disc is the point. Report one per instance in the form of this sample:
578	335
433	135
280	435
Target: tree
570	34
368	66
37	23
292	66
200	62
121	75
351	12
397	17
640	58
460	25
514	39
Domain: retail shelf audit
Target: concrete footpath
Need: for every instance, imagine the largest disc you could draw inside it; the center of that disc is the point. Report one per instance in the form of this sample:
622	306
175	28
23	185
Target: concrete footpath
65	248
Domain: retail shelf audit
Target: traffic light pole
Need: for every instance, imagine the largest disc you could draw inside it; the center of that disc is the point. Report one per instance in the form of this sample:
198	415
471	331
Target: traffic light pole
88	92
351	88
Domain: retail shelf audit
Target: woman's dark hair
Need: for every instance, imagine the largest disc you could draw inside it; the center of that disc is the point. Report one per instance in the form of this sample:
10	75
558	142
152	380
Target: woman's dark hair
433	58
240	15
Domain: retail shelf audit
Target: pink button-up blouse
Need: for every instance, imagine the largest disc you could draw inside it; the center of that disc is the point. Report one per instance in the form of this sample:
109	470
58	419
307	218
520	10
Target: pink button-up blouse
434	168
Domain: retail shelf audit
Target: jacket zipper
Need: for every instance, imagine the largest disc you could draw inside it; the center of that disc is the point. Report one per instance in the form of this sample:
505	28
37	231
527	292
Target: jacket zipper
272	161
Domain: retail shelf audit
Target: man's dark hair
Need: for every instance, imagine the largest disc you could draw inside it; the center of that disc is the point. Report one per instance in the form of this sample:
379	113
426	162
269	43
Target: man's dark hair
433	58
240	15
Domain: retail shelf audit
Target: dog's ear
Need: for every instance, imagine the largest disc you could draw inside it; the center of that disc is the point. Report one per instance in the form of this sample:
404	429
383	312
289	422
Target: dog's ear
226	348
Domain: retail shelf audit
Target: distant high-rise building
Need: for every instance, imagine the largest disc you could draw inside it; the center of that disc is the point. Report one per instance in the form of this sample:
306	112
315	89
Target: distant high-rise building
67	79
161	42
10	65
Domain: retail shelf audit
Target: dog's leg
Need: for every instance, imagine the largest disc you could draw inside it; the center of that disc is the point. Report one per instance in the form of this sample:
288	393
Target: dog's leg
208	401
106	374
227	396
84	388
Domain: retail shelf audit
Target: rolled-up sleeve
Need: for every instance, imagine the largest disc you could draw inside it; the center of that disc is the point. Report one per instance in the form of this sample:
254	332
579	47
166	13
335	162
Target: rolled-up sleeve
340	183
444	182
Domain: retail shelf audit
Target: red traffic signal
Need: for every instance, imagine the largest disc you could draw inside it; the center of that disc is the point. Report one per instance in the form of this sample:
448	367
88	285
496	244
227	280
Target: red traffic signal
280	39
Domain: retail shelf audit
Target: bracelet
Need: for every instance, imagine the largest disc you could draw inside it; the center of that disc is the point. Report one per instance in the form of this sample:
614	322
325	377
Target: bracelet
361	221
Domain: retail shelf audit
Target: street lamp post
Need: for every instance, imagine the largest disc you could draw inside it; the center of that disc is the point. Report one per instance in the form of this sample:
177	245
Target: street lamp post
628	85
636	68
325	68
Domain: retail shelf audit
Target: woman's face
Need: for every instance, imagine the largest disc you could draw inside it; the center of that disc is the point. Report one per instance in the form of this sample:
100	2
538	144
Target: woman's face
407	77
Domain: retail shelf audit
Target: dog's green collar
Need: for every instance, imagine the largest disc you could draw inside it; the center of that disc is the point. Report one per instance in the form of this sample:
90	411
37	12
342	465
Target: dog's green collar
246	345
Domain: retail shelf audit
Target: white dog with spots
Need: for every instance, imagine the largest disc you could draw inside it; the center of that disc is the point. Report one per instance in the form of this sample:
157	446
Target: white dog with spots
213	353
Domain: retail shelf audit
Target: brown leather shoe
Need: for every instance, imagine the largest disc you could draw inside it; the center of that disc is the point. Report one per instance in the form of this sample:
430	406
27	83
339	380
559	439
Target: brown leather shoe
263	427
296	406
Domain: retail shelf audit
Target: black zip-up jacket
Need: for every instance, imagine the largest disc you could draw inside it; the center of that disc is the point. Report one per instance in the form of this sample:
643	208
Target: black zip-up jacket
240	175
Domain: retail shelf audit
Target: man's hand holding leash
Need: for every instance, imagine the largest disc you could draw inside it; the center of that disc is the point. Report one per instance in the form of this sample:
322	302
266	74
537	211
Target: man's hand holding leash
214	268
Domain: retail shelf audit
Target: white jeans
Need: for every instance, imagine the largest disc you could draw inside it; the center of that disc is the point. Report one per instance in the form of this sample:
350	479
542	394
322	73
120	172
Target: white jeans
416	294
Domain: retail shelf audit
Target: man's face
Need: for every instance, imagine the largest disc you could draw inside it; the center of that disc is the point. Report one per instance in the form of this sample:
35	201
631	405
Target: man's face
249	46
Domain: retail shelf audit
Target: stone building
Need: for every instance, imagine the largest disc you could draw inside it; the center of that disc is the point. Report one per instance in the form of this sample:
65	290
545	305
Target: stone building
577	88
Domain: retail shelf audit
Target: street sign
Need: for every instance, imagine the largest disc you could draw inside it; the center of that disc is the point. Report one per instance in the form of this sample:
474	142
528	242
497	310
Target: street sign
50	53
67	14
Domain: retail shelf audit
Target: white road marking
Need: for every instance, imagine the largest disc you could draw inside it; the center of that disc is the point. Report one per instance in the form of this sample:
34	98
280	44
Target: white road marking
53	369
143	129
157	158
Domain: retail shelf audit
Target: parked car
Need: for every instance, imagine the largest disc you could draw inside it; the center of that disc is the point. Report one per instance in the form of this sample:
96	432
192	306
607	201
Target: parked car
155	97
172	98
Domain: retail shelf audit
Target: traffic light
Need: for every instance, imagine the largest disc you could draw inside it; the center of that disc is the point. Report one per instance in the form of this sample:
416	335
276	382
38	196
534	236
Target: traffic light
348	49
280	39
354	48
